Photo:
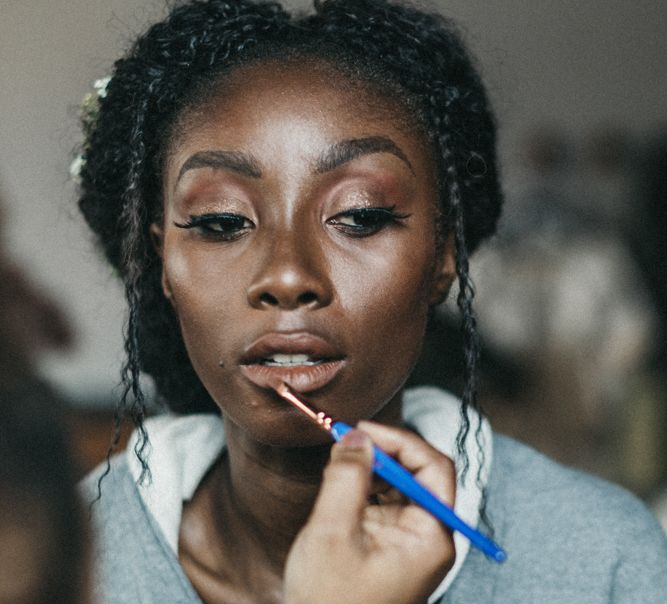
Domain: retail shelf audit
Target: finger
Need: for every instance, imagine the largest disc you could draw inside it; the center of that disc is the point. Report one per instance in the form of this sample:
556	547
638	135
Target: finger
345	485
431	467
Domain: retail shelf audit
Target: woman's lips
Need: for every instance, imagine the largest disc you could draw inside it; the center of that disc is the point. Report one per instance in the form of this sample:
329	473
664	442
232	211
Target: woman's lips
293	343
302	378
303	360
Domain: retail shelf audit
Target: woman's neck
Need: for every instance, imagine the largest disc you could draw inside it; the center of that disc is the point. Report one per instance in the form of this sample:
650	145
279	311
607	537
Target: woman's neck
237	530
272	490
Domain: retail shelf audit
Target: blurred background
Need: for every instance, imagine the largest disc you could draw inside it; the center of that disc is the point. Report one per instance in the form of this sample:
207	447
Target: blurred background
572	299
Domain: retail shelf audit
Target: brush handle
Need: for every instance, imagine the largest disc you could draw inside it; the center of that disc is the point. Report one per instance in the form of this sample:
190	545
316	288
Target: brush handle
396	475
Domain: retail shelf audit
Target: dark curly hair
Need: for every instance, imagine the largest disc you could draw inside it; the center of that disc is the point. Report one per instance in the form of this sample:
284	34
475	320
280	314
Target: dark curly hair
415	56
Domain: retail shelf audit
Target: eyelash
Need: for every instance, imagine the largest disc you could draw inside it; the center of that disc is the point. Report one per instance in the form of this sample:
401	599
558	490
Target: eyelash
372	220
232	226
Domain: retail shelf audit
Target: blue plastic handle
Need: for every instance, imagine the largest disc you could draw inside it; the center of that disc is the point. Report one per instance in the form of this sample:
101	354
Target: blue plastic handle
400	478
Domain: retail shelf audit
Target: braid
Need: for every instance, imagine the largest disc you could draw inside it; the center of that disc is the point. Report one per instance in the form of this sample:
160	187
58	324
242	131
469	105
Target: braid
456	218
464	301
132	264
133	219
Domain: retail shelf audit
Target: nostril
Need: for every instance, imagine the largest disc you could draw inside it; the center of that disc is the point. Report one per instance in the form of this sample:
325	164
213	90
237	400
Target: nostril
307	298
267	298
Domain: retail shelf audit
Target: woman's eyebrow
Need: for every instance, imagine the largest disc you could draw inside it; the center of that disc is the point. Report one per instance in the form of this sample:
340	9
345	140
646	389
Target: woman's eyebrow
234	161
347	150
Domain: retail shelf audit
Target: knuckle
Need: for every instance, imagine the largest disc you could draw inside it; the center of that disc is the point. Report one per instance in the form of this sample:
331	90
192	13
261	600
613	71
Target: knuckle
342	469
347	456
444	464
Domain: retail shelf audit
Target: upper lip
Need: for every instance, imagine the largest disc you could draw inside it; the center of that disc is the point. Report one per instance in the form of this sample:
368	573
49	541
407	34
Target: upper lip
290	343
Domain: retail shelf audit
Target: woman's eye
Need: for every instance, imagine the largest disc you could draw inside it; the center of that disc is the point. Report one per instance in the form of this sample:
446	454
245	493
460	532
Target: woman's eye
362	222
224	227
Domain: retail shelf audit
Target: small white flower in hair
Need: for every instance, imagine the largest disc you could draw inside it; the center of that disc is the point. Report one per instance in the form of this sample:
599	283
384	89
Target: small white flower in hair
100	86
90	108
75	168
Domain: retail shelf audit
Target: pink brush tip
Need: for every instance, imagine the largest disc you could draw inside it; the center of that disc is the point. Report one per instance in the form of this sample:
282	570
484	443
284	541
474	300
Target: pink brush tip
278	385
284	392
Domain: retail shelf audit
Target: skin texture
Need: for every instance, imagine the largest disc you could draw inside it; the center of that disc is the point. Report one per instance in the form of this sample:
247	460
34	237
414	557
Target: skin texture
296	263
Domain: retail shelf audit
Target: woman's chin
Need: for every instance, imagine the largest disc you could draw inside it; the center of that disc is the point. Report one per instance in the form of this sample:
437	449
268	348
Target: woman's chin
283	430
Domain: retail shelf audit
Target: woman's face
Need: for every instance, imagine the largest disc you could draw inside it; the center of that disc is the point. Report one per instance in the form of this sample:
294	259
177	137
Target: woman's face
299	243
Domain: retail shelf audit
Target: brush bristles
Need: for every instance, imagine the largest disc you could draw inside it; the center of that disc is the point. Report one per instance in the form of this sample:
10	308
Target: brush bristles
279	386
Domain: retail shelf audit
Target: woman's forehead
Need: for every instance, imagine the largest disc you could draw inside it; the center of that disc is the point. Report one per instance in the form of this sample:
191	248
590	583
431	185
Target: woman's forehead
311	100
315	84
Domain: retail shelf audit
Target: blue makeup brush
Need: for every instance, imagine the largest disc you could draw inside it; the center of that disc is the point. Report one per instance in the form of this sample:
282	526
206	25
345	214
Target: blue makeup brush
400	478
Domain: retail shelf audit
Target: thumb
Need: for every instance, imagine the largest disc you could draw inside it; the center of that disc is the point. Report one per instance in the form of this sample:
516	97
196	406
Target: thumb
346	483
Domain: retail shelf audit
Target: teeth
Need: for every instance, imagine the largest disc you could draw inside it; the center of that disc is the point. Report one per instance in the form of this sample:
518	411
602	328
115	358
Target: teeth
290	359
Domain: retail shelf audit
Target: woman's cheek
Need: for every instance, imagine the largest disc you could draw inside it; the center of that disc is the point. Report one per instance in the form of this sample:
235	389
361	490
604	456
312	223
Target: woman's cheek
189	275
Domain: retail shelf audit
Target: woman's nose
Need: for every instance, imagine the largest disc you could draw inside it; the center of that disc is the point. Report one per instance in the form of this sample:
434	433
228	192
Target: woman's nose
293	275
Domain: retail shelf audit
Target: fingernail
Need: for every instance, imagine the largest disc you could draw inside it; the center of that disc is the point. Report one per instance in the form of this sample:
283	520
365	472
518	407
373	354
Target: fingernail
354	439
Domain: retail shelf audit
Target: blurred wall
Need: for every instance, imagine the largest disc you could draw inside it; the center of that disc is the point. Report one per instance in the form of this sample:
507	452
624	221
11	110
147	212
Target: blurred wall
571	64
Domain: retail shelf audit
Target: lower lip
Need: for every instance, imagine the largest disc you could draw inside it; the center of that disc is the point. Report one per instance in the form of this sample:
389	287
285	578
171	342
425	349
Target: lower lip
302	378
